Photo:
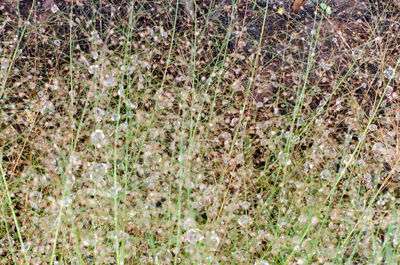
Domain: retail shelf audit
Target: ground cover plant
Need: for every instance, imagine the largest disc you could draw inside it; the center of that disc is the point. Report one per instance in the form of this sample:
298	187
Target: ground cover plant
199	132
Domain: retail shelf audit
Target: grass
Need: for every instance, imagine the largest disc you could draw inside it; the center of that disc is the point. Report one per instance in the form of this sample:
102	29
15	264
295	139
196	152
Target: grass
135	133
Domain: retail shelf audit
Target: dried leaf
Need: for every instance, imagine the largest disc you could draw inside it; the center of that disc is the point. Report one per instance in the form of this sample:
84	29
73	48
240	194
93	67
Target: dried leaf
296	5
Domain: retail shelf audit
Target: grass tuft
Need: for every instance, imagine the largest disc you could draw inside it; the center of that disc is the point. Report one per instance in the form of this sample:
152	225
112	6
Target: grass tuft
199	132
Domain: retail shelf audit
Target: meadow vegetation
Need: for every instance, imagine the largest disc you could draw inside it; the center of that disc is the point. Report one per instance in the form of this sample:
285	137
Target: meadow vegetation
207	132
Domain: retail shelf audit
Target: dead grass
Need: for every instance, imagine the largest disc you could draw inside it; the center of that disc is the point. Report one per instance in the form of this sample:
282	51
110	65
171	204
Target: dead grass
132	132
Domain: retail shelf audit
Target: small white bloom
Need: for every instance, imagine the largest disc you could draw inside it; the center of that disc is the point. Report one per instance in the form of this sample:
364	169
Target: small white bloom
57	43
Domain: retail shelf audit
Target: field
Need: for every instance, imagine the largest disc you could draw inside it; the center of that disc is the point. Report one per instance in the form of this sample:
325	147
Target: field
199	132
